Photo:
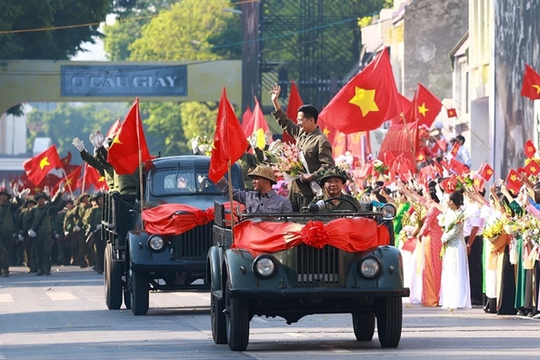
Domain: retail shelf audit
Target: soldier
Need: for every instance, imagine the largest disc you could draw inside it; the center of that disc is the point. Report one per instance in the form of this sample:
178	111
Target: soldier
38	220
92	226
63	241
8	207
28	242
332	181
73	228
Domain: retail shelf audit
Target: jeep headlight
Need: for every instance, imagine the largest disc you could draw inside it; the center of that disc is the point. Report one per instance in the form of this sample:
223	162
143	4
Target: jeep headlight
264	266
369	268
388	212
156	242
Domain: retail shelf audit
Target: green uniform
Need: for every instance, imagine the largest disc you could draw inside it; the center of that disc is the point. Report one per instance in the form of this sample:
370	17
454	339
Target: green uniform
317	152
92	226
64	247
73	226
342	205
101	165
7	229
29	253
39	220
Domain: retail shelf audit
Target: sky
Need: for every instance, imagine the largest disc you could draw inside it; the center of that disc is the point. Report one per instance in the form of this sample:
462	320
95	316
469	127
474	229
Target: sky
96	52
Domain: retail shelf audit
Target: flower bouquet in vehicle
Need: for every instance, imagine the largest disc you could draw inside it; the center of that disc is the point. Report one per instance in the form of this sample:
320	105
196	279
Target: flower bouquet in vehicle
201	144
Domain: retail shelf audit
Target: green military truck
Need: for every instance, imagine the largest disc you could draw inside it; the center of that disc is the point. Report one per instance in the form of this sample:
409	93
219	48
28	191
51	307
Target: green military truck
165	252
293	265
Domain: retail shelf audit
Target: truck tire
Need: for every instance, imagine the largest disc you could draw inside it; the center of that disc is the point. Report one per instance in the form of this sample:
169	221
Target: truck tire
140	296
363	325
113	280
237	323
127	295
389	322
219	322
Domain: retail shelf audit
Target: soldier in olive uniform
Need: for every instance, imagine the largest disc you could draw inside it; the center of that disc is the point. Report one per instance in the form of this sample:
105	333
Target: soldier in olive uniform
73	224
92	226
28	242
332	182
8	207
38	221
63	241
311	141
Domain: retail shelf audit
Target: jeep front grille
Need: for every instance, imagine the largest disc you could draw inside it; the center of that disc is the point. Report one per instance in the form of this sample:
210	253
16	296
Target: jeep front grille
194	244
317	268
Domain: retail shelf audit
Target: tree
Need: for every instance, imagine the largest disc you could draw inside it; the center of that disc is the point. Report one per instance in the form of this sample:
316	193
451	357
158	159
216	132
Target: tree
67	122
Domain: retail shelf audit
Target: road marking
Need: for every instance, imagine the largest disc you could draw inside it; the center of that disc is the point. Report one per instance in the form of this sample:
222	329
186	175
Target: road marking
61	296
294	334
4	298
335	349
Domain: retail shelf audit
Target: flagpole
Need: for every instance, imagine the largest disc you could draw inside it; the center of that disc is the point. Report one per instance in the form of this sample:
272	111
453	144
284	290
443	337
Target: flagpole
84	178
229	179
67	182
141	192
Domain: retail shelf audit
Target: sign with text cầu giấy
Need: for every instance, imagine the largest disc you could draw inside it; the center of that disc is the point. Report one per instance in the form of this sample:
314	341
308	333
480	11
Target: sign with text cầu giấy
123	80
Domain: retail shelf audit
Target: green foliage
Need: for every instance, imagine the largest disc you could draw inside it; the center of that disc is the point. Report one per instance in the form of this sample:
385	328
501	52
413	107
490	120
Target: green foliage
67	122
42	14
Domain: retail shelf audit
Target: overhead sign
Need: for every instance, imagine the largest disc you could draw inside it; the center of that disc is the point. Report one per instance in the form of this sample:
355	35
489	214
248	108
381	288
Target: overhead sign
123	80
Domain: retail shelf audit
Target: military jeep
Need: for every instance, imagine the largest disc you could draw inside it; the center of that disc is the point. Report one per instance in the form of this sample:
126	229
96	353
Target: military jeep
311	269
140	259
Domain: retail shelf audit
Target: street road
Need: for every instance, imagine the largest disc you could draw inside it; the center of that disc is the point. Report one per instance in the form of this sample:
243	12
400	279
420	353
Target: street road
64	316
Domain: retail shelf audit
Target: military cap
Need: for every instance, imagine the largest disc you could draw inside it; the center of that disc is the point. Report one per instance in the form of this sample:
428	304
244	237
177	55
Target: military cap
40	195
264	172
333	172
7	191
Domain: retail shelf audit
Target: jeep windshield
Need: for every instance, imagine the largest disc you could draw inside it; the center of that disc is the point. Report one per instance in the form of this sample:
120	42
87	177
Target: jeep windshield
184	181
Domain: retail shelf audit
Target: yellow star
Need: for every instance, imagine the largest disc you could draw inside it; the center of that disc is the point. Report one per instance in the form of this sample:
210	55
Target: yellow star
101	179
44	162
423	109
533	169
537	87
365	100
513	178
116	141
326	131
489	172
530	149
476	182
68	182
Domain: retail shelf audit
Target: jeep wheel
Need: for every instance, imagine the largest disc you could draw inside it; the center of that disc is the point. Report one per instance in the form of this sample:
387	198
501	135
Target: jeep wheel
140	296
389	322
127	295
363	325
113	280
219	323
237	323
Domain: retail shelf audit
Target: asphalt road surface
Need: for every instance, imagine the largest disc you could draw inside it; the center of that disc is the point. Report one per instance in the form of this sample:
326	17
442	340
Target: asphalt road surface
63	316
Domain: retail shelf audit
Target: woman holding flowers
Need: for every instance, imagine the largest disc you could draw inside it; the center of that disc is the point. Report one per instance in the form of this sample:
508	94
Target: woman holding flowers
455	288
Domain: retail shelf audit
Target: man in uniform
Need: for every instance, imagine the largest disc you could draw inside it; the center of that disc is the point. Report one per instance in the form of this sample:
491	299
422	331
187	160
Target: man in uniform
313	144
73	224
28	243
63	241
39	223
92	227
262	199
7	226
332	181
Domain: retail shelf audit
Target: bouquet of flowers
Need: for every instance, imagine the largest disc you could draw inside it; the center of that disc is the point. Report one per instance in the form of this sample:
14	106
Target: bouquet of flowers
202	144
495	229
380	167
284	159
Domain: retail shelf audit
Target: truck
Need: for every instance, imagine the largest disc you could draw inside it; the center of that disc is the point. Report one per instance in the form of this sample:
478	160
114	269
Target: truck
294	265
164	246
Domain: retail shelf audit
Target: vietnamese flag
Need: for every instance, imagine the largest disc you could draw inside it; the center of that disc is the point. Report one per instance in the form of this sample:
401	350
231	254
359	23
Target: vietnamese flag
529	150
426	107
70	180
458	166
451	113
39	166
257	125
485	171
405	106
367	100
229	140
478	183
455	149
532	168
513	182
94	178
531	84
124	151
111	133
295	101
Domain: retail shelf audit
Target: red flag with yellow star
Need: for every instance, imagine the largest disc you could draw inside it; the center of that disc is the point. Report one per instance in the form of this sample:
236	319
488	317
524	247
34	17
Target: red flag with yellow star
94	178
451	113
512	181
129	140
405	106
425	107
530	149
39	166
532	168
70	181
478	183
485	171
367	100
531	84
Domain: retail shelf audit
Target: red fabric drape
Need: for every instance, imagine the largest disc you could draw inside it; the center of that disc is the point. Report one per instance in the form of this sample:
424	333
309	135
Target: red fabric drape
352	235
165	220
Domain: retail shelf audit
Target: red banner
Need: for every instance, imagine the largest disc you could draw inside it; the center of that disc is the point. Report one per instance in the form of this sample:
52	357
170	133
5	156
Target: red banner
259	237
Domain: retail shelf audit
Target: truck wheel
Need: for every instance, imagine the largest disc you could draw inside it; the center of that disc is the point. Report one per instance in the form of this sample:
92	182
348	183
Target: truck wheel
127	295
389	322
219	323
140	296
113	280
363	325
237	323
